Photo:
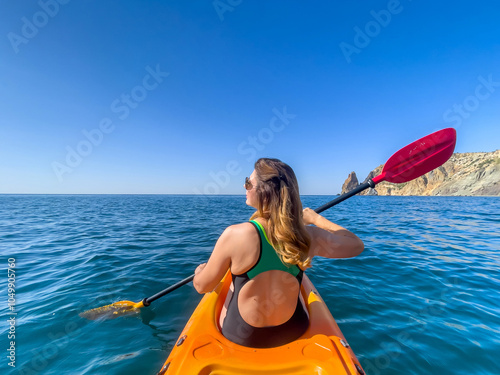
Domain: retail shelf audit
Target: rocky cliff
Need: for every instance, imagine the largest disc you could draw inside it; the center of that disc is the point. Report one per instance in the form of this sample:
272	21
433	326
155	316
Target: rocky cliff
475	173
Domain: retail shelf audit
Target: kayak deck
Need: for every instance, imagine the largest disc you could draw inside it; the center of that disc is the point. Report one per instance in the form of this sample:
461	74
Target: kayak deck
202	349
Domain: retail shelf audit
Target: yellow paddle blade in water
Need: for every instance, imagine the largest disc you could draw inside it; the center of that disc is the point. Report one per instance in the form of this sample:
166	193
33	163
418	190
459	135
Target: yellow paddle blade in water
115	310
124	308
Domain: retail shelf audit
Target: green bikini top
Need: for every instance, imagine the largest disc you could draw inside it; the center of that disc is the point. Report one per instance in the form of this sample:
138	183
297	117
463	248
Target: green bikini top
269	259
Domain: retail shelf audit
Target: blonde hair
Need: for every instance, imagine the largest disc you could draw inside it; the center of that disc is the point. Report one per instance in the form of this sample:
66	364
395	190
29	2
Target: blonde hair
278	201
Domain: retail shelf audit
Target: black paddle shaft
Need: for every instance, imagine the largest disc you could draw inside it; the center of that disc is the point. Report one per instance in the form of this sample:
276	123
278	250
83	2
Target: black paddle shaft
349	194
147	301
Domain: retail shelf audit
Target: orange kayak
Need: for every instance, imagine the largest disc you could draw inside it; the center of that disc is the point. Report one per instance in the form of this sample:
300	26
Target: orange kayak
202	349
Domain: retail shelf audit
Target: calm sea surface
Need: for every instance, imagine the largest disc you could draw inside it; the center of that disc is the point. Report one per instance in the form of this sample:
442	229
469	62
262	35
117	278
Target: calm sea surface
423	298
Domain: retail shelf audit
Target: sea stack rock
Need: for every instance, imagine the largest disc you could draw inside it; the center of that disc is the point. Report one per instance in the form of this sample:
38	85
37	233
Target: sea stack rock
350	183
371	191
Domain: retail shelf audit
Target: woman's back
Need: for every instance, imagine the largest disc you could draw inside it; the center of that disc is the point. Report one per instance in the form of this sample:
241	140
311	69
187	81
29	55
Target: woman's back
264	308
268	298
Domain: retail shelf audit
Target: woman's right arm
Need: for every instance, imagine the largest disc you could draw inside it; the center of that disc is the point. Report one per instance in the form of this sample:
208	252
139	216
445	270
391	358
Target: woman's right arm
330	240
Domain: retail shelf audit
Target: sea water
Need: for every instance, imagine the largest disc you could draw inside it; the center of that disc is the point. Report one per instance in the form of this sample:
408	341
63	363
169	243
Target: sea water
423	297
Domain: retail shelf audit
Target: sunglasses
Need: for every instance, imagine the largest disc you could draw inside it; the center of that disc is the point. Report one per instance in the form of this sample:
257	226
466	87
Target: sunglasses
248	184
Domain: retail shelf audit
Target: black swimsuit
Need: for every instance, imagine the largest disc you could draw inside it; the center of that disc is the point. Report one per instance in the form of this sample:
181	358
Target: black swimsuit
240	332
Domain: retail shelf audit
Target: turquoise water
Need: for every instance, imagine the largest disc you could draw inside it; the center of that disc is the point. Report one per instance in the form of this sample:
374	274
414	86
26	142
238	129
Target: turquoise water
423	298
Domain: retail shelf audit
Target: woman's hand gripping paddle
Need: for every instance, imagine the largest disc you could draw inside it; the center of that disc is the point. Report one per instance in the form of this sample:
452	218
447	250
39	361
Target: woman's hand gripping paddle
410	162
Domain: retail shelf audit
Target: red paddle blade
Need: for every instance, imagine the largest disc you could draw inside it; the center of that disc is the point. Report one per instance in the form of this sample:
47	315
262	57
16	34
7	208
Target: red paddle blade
419	157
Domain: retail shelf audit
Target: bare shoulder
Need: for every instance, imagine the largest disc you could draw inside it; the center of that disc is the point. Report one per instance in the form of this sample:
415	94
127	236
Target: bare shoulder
243	241
241	228
239	233
237	230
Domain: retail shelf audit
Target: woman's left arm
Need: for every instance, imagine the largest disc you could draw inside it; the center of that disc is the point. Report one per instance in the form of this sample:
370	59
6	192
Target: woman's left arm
208	275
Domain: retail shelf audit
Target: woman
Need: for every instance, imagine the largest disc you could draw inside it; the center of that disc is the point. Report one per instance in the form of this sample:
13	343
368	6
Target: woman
267	257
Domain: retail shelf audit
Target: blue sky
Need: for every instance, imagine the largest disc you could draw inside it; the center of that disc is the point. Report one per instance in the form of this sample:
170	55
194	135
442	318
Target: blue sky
183	97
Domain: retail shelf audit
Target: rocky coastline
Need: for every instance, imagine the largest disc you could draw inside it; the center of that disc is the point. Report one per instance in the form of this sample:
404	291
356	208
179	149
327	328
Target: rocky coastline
464	174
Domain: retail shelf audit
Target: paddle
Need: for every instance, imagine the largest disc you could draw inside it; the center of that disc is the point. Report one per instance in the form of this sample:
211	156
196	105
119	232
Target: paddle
410	162
128	307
